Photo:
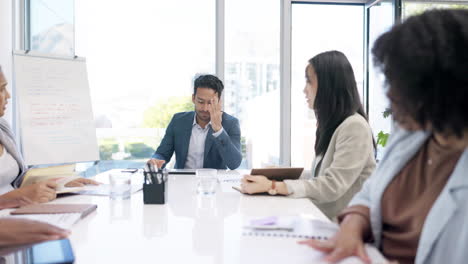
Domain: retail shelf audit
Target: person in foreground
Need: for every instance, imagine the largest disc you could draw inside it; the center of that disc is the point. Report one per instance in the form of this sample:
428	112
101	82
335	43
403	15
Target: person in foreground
14	232
204	138
344	145
414	207
13	168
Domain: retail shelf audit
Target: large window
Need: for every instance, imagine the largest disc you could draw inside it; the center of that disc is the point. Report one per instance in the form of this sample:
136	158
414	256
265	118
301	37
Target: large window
315	29
142	58
252	77
51	26
381	19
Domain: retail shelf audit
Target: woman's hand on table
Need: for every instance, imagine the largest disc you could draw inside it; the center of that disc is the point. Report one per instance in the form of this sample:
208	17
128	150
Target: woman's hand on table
80	182
23	231
41	192
255	184
14	202
347	242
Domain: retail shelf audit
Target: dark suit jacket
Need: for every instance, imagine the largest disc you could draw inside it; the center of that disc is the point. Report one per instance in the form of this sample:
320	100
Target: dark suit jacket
221	152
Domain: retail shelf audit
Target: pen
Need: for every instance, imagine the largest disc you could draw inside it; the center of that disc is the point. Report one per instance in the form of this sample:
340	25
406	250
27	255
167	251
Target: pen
151	177
165	174
146	173
159	177
131	170
148	177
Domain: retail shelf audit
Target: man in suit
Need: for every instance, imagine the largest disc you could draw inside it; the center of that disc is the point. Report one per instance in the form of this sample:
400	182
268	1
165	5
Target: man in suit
204	138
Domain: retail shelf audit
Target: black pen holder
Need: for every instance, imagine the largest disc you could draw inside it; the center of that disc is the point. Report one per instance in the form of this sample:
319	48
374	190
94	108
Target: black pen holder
154	188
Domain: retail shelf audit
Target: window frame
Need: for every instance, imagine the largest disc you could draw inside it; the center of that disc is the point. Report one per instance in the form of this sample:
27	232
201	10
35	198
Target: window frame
285	70
22	34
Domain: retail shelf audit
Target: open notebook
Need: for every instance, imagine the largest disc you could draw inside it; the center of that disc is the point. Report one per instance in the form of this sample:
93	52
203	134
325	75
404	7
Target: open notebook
61	174
34	175
302	228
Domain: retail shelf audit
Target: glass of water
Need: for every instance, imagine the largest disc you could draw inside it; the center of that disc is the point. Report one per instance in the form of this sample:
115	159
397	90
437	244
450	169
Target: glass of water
207	181
120	186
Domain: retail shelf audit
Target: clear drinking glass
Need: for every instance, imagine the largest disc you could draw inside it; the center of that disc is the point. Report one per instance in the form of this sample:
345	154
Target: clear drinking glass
207	181
120	186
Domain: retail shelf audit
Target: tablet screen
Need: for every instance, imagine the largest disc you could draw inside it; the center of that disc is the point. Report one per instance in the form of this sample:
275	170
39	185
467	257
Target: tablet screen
55	251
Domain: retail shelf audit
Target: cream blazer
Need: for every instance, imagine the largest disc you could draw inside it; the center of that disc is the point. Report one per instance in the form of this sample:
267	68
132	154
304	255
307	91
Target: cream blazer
341	171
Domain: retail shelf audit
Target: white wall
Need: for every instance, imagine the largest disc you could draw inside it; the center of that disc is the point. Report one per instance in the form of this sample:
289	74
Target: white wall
6	58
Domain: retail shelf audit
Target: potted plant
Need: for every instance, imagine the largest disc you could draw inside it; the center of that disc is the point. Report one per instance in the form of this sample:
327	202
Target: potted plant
382	137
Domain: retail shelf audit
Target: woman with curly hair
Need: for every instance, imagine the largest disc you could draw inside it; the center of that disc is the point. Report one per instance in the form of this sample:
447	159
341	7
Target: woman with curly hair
414	206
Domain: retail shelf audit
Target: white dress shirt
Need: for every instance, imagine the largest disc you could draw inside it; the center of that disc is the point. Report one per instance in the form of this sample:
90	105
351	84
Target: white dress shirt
9	171
196	150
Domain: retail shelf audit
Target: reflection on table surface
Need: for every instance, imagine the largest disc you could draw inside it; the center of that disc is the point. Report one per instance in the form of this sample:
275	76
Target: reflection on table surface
189	228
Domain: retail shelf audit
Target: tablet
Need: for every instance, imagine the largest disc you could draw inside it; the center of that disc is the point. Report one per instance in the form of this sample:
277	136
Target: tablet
55	251
183	171
279	174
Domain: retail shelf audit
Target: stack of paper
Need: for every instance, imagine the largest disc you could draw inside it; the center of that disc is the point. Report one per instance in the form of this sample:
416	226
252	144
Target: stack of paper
61	215
65	221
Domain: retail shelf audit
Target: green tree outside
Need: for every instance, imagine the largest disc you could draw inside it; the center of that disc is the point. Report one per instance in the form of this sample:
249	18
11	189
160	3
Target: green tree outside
159	115
412	9
138	150
107	146
417	8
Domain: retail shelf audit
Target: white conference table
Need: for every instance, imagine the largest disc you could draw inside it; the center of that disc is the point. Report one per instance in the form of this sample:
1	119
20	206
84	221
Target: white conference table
189	228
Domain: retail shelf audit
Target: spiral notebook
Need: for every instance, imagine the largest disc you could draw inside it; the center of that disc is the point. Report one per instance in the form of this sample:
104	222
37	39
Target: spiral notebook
303	227
290	227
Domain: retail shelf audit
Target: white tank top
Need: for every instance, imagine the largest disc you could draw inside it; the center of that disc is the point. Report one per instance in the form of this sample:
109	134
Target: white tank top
8	172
